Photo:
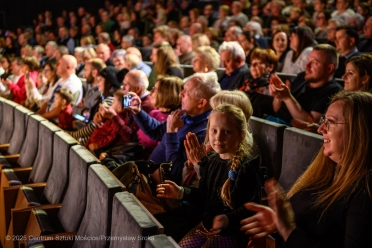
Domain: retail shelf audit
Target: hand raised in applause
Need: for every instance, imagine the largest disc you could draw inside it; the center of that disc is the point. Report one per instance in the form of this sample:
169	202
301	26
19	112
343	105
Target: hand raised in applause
174	121
278	89
194	150
278	216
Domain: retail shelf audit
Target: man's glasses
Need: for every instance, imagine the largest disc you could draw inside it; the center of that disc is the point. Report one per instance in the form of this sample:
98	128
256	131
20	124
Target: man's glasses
328	122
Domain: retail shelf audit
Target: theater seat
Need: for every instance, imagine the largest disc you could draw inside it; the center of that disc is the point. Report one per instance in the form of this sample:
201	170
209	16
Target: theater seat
21	115
268	136
131	219
299	149
25	175
102	186
65	217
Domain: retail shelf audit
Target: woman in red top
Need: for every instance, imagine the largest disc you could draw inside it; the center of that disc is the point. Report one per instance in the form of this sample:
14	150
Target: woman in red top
30	68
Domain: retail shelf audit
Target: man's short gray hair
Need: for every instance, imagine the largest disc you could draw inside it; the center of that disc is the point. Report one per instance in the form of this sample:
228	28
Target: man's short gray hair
118	53
234	47
129	38
52	44
236	30
206	85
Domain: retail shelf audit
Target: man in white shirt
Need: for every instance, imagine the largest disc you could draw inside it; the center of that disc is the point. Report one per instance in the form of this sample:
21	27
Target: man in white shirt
68	80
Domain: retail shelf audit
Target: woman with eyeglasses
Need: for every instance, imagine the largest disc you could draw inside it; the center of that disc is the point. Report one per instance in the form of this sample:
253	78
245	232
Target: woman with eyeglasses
36	96
263	64
330	204
321	23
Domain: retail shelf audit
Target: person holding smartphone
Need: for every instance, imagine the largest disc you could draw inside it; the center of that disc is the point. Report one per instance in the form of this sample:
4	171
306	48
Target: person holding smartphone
30	67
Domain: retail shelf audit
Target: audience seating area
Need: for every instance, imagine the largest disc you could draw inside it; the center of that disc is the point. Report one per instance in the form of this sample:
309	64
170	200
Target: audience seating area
54	188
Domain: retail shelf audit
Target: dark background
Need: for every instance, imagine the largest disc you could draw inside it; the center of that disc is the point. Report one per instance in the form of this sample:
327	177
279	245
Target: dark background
15	13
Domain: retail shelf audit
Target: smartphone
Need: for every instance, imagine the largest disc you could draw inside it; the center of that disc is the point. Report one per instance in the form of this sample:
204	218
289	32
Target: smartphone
80	118
103	101
126	101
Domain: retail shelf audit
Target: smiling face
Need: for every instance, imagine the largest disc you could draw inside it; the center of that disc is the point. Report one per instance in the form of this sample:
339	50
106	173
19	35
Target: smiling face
334	141
223	136
317	67
280	42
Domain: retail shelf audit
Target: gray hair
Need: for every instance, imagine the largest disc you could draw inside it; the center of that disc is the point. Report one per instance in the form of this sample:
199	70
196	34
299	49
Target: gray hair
206	85
39	49
79	49
52	44
129	38
118	53
210	55
255	26
236	30
234	47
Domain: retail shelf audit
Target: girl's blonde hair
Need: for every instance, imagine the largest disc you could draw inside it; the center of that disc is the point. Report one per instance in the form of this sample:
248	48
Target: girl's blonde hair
238	119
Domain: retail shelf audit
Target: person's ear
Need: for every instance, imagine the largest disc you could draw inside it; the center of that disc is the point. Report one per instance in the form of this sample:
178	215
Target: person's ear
352	41
202	103
94	73
64	102
331	68
239	59
365	79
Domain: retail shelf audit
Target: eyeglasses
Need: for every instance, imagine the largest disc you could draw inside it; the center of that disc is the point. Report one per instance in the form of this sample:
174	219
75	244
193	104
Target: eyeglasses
328	122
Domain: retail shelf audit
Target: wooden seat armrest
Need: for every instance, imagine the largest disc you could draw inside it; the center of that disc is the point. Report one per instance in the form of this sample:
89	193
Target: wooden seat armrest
4	148
12	158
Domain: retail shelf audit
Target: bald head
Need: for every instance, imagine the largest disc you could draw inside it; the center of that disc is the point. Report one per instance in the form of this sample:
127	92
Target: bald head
66	66
136	81
135	51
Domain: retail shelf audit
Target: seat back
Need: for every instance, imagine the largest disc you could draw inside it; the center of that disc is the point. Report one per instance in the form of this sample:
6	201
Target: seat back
268	136
73	205
44	157
20	120
31	143
299	149
56	186
2	100
188	70
161	241
102	186
130	218
8	122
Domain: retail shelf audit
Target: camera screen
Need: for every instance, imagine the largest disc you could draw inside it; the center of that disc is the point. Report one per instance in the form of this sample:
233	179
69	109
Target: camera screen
126	101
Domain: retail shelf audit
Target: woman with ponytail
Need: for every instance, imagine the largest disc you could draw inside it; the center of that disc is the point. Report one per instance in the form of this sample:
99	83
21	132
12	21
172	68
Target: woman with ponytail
229	177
